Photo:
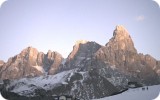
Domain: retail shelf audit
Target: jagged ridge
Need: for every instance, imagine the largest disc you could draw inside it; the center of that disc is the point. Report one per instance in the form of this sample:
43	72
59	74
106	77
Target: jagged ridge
114	64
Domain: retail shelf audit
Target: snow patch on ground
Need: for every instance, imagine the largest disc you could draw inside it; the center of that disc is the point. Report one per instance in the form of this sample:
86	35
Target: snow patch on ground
45	82
113	67
1	97
137	94
39	68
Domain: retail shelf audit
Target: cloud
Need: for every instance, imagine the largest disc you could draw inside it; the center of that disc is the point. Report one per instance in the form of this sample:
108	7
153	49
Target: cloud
140	18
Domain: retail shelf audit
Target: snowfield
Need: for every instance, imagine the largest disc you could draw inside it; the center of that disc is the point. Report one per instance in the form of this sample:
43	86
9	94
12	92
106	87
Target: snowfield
26	86
1	97
137	94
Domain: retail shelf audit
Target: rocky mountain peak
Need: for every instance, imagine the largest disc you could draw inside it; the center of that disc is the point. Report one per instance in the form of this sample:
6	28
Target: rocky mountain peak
119	50
120	32
28	49
30	63
49	54
83	46
121	40
81	42
82	51
76	48
29	52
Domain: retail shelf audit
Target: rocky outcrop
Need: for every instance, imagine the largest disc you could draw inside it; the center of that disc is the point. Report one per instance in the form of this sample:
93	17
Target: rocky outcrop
82	53
30	63
121	53
121	40
57	63
119	49
1	64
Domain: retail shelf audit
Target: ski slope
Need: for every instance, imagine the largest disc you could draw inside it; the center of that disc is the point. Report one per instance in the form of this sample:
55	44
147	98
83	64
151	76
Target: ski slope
153	93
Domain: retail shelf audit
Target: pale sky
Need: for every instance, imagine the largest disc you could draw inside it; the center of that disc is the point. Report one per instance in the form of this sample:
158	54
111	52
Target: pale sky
57	24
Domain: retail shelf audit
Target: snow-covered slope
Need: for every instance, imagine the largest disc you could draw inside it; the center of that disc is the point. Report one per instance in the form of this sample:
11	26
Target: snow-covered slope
26	86
1	97
137	94
81	84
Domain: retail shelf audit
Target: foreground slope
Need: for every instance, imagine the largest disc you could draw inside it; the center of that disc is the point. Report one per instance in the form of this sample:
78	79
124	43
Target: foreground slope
86	85
147	93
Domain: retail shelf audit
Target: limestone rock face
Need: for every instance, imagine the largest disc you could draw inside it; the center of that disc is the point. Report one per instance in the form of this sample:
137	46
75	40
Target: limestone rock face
1	64
57	61
120	49
121	53
121	40
29	63
82	53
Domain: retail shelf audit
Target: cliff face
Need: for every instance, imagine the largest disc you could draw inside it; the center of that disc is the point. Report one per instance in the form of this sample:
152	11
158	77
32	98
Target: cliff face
118	61
30	63
82	54
121	53
1	64
119	49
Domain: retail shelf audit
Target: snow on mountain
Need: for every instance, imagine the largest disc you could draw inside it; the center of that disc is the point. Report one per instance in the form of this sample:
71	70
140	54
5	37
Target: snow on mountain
81	84
25	86
137	94
39	68
1	97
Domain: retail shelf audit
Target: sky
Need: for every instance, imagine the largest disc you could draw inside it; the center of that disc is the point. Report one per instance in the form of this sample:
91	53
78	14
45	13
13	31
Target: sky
57	24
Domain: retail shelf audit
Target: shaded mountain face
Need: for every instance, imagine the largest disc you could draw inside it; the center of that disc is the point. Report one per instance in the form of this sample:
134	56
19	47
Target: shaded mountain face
30	63
82	53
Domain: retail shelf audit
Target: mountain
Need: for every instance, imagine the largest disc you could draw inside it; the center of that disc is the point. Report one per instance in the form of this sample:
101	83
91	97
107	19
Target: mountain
30	63
81	55
121	53
90	71
86	85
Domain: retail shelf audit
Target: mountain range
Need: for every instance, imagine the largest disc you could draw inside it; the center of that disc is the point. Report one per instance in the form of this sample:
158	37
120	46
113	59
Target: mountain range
90	71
